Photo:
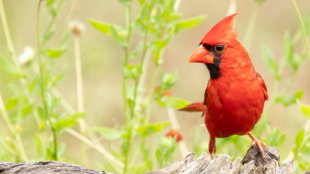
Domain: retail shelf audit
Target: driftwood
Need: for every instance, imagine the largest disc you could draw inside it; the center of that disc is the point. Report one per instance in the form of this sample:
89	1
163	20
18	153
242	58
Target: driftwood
253	163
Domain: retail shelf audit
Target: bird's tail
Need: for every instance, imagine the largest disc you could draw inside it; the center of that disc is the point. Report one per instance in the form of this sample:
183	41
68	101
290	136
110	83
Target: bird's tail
194	107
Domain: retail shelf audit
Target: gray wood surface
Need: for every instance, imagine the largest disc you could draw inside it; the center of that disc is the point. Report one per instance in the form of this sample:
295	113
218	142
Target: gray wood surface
253	163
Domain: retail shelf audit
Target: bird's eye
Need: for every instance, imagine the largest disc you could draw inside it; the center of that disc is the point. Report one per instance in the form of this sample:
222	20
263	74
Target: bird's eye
219	48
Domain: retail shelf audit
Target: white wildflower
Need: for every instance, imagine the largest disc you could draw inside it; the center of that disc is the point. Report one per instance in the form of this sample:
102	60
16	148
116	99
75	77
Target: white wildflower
27	55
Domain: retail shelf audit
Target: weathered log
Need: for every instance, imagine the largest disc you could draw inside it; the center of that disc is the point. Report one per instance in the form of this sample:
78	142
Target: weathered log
253	163
45	167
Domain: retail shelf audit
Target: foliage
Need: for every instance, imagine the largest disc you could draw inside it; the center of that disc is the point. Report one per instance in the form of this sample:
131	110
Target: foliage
157	22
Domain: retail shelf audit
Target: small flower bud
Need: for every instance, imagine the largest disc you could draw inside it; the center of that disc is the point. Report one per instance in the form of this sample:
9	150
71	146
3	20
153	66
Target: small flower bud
163	93
17	128
173	133
27	55
77	27
153	11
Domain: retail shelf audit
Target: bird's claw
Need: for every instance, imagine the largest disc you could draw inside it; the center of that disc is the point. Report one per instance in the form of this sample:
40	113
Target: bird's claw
259	144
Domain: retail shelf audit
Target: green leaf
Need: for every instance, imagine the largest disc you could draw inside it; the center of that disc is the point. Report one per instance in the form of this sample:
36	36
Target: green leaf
295	61
281	139
168	6
160	44
302	165
288	47
305	109
55	52
175	102
101	26
189	23
7	66
289	100
117	35
143	25
168	80
174	16
147	130
108	133
269	60
157	17
49	2
299	138
141	1
48	33
132	71
144	12
11	103
35	84
56	79
27	109
138	49
41	112
14	117
159	156
69	121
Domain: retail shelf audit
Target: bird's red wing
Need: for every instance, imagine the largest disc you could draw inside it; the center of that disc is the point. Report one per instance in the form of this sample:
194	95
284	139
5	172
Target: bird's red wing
261	81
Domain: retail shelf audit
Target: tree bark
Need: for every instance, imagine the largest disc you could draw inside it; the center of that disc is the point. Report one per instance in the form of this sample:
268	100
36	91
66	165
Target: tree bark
253	163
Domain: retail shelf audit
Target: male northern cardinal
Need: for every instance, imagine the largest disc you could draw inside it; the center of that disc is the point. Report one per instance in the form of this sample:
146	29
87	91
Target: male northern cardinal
236	93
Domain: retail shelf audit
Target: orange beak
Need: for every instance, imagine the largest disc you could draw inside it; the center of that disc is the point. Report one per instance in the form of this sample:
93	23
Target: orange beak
201	55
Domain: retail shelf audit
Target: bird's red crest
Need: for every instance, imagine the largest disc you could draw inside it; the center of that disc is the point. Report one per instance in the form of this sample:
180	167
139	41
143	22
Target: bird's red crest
223	32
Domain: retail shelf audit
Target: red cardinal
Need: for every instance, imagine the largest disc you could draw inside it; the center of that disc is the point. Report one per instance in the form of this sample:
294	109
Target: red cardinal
236	93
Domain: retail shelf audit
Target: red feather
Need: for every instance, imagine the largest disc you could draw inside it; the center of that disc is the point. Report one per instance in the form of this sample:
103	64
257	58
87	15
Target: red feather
194	107
223	32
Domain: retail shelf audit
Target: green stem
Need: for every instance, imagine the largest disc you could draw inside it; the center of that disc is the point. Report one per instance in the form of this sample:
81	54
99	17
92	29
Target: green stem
55	144
135	93
132	108
129	34
250	28
302	27
43	90
127	47
52	20
128	118
40	63
150	102
128	148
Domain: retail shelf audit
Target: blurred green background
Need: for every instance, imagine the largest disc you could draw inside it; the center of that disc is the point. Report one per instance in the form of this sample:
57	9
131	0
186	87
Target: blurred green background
102	60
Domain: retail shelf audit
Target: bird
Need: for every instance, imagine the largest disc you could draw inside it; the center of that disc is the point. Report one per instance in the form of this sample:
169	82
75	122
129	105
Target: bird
235	95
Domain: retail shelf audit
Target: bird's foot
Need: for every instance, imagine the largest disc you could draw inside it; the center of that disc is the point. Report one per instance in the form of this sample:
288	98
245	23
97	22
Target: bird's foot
259	144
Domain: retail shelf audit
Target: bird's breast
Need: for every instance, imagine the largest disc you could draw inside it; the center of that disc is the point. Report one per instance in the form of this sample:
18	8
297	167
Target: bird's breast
234	107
